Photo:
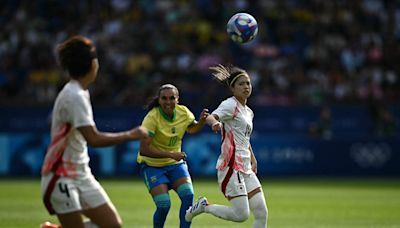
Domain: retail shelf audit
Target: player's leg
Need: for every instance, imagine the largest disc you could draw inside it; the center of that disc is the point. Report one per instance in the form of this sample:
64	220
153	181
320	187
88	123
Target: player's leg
182	184
61	197
233	187
185	192
157	183
237	212
104	216
256	201
97	206
197	208
71	220
163	204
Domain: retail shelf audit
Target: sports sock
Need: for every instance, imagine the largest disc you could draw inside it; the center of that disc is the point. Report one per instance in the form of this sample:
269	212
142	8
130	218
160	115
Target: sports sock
259	209
185	193
163	203
237	212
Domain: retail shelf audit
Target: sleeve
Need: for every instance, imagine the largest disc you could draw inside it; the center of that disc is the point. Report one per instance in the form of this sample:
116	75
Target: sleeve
81	113
190	116
224	110
149	122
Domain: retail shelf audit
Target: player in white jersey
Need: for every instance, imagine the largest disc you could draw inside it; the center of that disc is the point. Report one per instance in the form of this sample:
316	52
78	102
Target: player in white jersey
69	189
237	165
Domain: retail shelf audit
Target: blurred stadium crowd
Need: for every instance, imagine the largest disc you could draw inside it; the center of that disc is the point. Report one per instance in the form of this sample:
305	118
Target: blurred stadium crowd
307	52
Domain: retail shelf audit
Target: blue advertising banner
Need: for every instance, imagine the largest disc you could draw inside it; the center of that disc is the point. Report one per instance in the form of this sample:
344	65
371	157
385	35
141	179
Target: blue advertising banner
280	140
21	154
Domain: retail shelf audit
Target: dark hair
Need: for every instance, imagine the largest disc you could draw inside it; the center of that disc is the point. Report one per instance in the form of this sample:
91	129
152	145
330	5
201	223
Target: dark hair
75	55
227	74
154	100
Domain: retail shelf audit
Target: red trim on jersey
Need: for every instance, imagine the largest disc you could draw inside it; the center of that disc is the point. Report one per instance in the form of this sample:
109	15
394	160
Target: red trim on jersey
228	149
62	133
55	152
226	180
231	164
49	190
230	152
236	111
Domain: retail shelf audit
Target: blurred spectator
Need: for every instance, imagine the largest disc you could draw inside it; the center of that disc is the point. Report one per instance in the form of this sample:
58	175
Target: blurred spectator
322	128
383	121
307	52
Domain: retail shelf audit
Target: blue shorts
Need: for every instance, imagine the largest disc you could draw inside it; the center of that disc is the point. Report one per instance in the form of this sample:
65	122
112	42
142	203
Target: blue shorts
154	176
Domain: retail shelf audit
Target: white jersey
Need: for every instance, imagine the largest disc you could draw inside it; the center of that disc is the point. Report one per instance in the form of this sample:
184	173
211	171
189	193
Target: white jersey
237	127
67	154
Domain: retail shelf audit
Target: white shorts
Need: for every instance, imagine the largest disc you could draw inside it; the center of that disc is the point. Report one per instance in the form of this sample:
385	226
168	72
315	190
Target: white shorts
63	195
235	183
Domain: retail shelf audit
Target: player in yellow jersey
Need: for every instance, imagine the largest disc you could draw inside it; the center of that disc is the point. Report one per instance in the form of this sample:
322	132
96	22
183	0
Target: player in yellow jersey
162	160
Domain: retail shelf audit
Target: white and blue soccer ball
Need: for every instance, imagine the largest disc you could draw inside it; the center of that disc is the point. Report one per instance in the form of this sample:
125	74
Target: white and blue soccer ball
242	28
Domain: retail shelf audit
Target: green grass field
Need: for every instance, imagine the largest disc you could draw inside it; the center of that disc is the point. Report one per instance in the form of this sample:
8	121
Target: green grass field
293	203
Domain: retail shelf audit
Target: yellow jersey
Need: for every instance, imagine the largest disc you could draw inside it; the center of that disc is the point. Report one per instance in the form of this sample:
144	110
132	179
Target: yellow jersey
167	133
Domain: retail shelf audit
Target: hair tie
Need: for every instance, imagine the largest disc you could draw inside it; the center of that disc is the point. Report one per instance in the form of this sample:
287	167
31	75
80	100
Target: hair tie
236	77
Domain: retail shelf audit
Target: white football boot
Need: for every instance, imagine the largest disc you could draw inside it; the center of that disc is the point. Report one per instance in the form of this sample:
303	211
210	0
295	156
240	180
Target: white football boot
196	209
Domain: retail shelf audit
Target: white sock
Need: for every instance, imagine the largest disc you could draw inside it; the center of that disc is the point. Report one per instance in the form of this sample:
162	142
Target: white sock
259	209
238	212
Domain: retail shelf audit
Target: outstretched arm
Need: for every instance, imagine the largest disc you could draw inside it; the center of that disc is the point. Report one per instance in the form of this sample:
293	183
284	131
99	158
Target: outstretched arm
96	138
196	126
213	121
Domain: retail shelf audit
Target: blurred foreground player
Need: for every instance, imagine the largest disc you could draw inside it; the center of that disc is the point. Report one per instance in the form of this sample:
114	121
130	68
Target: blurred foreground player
68	187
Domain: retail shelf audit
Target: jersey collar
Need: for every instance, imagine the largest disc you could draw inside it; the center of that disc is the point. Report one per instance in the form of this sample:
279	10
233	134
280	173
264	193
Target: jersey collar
166	117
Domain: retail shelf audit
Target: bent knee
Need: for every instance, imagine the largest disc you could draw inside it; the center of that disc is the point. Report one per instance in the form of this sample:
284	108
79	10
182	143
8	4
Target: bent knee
242	215
115	223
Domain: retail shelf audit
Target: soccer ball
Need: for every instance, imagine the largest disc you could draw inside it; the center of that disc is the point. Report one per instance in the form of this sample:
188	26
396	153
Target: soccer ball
242	27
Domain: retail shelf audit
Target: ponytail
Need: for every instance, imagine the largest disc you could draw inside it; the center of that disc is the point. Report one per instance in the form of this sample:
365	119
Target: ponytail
227	74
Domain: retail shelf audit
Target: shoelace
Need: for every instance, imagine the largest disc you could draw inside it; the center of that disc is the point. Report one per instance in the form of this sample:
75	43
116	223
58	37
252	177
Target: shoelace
195	206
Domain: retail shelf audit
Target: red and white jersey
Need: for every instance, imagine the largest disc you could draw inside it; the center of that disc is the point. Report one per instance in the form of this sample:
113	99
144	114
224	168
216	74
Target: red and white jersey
67	154
237	123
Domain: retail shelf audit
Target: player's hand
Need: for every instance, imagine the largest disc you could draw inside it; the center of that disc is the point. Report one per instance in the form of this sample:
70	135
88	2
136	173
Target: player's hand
177	156
184	156
203	116
216	127
138	133
254	167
